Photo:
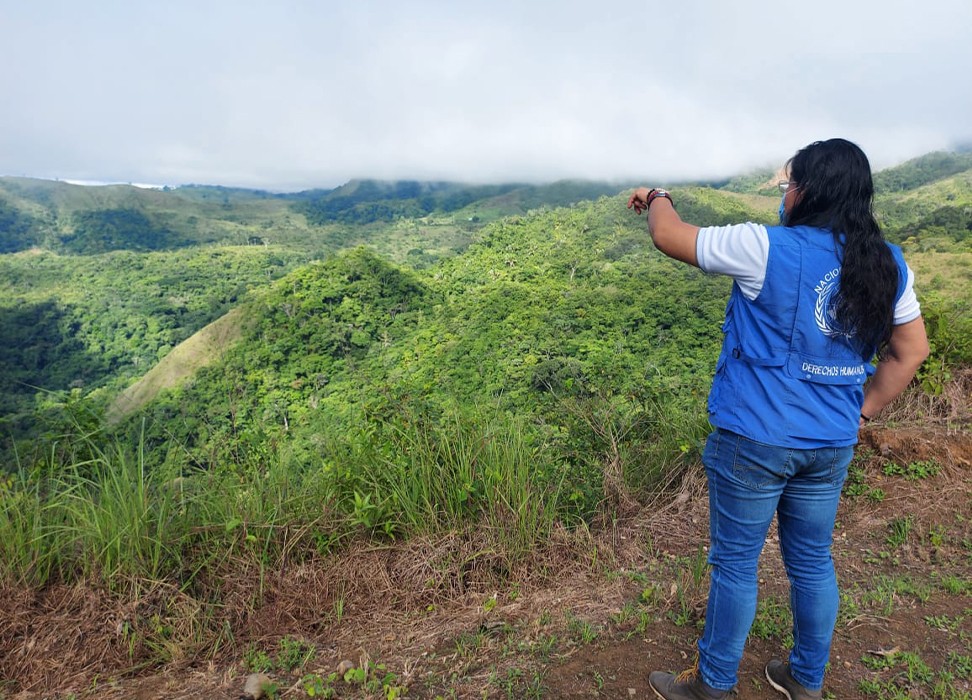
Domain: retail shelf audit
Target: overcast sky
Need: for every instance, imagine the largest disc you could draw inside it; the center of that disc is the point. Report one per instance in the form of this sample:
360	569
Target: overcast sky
288	94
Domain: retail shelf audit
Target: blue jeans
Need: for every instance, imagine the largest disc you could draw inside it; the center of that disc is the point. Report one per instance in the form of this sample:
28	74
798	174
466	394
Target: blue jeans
748	483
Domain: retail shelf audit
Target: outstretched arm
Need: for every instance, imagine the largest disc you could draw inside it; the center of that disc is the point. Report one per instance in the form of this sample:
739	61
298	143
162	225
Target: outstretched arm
669	233
906	350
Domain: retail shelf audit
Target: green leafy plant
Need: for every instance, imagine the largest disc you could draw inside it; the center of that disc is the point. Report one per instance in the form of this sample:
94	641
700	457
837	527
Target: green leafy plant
293	653
598	681
960	664
586	632
913	471
956	585
773	620
944	622
257	660
899	531
468	643
317	687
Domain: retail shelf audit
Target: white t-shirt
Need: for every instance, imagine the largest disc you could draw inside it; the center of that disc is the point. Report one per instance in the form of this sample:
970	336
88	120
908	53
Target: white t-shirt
741	251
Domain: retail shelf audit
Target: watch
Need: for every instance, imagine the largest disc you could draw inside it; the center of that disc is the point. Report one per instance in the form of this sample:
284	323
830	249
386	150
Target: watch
654	194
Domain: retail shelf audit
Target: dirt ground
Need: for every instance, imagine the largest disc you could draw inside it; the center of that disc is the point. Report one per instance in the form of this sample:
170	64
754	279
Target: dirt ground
627	600
942	502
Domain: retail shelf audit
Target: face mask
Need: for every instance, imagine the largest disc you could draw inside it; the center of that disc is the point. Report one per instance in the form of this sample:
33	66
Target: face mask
782	210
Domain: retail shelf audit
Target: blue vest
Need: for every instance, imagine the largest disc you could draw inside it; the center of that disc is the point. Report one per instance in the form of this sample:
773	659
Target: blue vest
788	375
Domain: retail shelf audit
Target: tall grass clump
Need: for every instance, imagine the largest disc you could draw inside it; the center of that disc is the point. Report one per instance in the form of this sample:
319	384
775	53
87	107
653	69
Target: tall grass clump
107	513
98	512
107	517
675	429
254	517
641	443
410	475
98	517
25	556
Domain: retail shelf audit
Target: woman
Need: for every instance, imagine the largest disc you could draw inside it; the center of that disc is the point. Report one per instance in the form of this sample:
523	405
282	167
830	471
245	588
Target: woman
813	301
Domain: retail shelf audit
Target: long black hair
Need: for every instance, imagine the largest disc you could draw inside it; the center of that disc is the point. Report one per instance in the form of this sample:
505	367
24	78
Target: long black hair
836	192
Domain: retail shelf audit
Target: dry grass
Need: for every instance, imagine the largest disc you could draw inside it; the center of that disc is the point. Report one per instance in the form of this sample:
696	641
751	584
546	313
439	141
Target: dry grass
396	600
430	589
63	636
950	410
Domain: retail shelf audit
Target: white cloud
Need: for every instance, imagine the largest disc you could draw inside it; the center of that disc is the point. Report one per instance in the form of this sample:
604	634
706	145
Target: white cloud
302	94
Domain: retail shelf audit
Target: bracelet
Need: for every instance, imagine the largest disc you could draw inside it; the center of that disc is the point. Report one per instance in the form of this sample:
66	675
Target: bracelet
655	194
864	418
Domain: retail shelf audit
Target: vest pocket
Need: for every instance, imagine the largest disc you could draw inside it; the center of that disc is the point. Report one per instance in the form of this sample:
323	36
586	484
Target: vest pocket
737	353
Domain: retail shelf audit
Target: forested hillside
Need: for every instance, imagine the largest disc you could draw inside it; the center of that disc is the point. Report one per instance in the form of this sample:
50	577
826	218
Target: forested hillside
932	167
548	312
71	219
367	201
933	216
99	283
927	200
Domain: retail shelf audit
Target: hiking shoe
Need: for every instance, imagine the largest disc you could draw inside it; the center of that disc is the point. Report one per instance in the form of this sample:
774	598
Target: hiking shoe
779	676
687	685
